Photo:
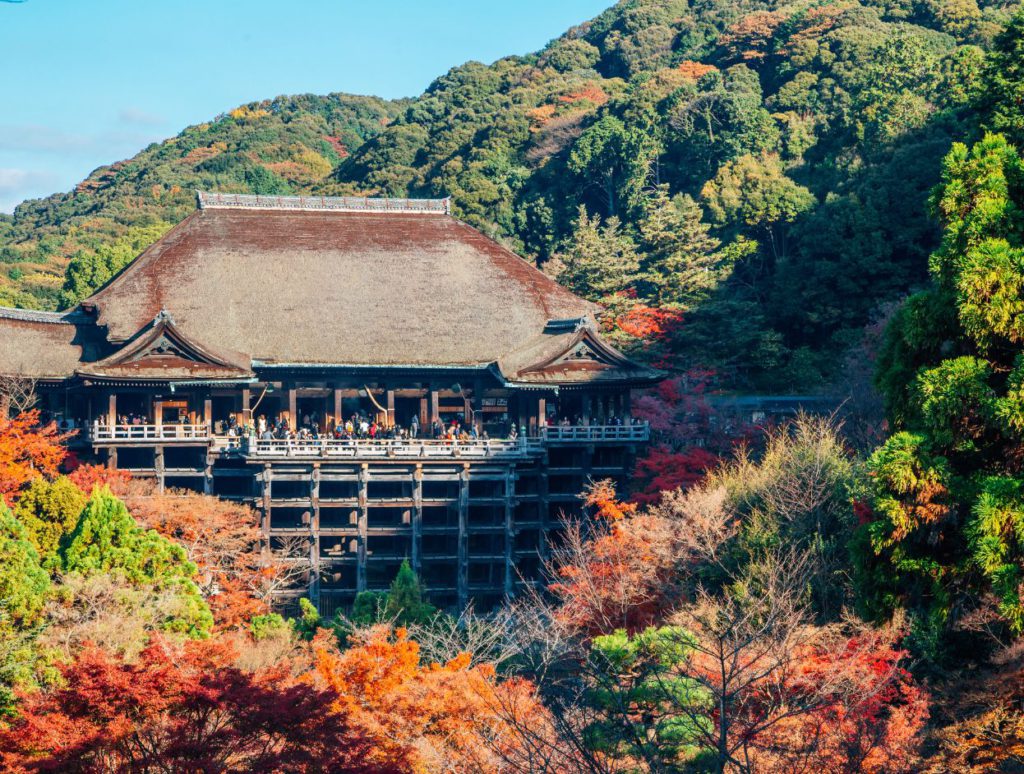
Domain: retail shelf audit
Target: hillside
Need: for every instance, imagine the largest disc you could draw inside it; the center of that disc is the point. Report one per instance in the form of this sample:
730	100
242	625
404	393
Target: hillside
755	177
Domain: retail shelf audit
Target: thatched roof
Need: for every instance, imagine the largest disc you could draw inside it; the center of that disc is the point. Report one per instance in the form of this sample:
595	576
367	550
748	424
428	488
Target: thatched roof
42	345
319	281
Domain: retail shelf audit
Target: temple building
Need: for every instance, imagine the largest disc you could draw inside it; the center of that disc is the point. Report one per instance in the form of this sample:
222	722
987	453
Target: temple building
231	355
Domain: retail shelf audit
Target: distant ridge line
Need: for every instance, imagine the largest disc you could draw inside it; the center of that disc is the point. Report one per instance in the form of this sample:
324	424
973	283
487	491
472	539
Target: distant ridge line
211	201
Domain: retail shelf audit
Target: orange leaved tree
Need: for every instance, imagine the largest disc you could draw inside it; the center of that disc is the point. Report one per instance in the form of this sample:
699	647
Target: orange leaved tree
28	450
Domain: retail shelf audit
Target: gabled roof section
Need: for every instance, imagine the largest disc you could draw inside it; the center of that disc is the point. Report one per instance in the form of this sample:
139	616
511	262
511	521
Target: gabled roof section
44	345
571	352
161	352
336	282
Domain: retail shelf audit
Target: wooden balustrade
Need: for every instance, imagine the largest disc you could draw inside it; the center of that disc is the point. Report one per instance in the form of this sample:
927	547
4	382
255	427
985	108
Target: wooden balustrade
147	433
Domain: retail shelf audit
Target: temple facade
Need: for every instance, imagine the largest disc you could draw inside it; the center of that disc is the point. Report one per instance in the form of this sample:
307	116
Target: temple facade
380	380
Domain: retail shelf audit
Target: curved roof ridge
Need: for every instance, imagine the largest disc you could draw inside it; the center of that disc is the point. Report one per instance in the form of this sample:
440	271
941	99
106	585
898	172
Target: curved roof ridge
69	317
212	200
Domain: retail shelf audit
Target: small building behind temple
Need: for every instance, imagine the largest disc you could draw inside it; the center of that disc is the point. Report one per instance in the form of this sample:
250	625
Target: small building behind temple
304	313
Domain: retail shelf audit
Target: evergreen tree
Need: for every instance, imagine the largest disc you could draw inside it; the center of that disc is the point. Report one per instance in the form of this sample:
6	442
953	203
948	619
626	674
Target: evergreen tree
49	511
680	264
405	601
24	584
949	491
108	540
599	260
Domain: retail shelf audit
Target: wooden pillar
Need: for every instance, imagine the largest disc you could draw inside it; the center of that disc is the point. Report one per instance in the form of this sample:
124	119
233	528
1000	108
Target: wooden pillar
478	406
158	414
463	561
268	477
112	409
586	409
208	412
542	412
314	537
417	519
424	414
364	476
435	407
244	416
338	418
293	419
390	419
158	465
510	531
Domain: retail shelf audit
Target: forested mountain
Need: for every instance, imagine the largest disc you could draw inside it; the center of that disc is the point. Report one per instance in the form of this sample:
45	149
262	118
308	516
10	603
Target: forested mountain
745	185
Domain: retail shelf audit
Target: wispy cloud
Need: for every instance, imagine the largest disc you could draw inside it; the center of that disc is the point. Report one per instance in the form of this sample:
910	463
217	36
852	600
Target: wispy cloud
44	139
133	115
16	185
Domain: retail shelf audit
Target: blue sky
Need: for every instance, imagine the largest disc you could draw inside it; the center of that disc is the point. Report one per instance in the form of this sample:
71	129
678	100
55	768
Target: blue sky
88	82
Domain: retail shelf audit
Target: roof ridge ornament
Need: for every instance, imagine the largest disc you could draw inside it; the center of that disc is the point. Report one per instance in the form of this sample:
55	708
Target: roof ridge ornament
212	201
163	316
570	325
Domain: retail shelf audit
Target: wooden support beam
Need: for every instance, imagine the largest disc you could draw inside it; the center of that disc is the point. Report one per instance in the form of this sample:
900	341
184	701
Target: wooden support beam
390	419
112	409
338	418
158	413
417	519
244	417
208	412
364	477
463	560
542	411
293	419
314	536
510	531
424	414
435	407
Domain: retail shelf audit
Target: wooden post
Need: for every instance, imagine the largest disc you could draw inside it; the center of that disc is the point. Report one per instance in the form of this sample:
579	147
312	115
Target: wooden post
510	531
389	421
435	407
417	519
208	413
586	409
364	476
293	419
424	414
314	537
463	561
112	410
244	417
478	406
158	415
338	418
542	412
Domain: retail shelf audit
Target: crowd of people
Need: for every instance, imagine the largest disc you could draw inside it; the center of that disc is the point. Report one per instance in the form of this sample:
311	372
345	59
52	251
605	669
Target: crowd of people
360	426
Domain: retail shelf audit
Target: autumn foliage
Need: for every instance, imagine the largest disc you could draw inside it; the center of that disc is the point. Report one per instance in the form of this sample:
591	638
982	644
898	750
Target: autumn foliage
28	450
180	708
421	718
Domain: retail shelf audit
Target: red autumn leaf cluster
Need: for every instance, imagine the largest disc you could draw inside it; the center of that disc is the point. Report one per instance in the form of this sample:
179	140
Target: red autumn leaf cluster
181	708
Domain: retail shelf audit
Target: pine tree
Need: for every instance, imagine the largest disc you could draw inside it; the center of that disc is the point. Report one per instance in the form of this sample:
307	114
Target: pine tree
108	540
405	600
599	260
680	264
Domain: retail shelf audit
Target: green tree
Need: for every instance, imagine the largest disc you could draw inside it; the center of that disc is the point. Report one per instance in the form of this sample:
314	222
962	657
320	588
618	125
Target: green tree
108	540
49	511
1003	92
24	584
598	260
681	263
948	518
405	602
754	192
89	270
615	160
